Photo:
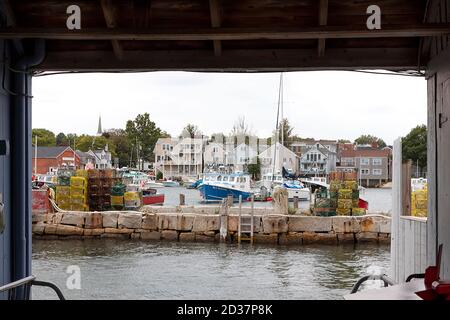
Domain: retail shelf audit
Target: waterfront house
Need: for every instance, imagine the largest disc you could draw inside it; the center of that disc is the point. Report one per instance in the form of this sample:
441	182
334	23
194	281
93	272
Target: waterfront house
316	157
87	160
371	164
241	156
102	158
179	157
282	156
50	159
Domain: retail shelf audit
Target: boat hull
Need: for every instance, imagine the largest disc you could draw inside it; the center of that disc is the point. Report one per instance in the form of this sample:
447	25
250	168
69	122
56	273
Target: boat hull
303	194
154	185
171	184
153	199
217	193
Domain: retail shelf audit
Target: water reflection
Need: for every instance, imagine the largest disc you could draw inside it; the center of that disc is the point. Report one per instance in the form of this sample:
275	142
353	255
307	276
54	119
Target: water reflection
117	269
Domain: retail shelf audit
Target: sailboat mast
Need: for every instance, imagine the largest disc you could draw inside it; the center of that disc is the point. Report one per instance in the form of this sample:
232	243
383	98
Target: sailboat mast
282	111
277	133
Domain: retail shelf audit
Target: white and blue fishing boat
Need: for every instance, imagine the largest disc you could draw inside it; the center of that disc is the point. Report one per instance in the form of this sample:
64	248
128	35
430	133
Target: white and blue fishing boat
216	187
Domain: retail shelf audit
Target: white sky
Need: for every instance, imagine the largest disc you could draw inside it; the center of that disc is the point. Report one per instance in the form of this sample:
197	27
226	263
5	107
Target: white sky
327	105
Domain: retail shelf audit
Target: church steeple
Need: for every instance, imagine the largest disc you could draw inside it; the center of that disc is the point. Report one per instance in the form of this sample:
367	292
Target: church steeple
99	130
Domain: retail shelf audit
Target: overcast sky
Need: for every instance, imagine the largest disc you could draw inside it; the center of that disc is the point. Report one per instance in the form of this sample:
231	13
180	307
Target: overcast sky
327	105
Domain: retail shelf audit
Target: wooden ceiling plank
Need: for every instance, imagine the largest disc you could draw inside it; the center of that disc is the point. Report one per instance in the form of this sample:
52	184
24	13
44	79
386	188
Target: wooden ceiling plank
323	32
110	18
216	22
12	22
323	20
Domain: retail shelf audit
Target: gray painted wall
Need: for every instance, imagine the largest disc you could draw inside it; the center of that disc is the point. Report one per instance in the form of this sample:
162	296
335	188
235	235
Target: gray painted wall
5	237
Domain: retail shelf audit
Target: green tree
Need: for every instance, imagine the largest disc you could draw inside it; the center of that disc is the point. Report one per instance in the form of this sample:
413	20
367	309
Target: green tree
87	142
344	141
143	133
119	139
285	130
414	146
369	139
61	140
45	137
254	169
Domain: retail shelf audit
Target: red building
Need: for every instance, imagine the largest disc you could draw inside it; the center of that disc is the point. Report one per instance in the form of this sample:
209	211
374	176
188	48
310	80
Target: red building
51	158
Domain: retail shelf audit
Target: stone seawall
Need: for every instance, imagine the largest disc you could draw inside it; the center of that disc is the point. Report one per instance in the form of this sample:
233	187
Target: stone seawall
204	227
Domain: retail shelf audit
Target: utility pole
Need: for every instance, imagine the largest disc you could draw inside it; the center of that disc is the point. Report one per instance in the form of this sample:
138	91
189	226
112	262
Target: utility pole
35	155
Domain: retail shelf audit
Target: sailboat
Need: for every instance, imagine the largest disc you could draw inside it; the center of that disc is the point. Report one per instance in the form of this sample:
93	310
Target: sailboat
294	187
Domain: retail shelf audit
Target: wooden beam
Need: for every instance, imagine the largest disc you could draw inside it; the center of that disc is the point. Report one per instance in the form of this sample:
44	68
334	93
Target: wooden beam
216	22
110	17
12	22
256	60
323	32
323	20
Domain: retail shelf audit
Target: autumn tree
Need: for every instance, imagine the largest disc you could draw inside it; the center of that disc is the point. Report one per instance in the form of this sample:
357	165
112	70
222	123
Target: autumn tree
45	137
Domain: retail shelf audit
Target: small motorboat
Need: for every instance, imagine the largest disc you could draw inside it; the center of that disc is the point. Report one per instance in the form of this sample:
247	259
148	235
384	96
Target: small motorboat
152	197
171	183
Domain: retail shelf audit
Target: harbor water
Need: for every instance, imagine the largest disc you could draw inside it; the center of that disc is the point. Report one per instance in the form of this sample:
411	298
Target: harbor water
118	269
380	200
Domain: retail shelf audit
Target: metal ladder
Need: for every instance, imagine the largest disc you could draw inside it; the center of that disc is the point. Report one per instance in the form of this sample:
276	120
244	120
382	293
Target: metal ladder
245	226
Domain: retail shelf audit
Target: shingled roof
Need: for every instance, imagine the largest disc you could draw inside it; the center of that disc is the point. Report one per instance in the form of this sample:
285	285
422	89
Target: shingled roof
49	152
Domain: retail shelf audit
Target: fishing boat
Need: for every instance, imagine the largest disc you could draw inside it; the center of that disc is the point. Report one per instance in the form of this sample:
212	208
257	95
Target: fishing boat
170	183
216	187
296	189
151	183
152	197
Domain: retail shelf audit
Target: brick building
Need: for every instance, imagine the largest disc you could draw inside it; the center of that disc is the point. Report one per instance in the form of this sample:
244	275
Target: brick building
49	159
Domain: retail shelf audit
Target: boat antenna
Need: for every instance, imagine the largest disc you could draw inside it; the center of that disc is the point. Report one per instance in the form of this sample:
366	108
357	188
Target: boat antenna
280	90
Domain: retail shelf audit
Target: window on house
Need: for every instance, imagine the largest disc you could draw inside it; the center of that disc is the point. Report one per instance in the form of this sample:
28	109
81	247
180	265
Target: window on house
318	156
377	172
365	172
364	161
377	161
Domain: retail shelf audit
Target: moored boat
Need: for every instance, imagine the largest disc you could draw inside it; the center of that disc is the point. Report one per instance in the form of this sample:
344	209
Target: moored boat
171	183
216	187
151	197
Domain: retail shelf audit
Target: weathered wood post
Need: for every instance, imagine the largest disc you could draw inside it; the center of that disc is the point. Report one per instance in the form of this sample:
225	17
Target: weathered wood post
280	198
240	219
296	203
223	220
230	200
182	199
252	222
406	188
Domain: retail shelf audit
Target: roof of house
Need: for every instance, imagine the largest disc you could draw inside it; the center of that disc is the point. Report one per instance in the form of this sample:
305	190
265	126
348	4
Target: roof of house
83	154
365	153
269	150
324	151
50	152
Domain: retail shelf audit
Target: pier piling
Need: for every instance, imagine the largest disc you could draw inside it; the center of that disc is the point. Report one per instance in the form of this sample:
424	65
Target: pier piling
182	199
